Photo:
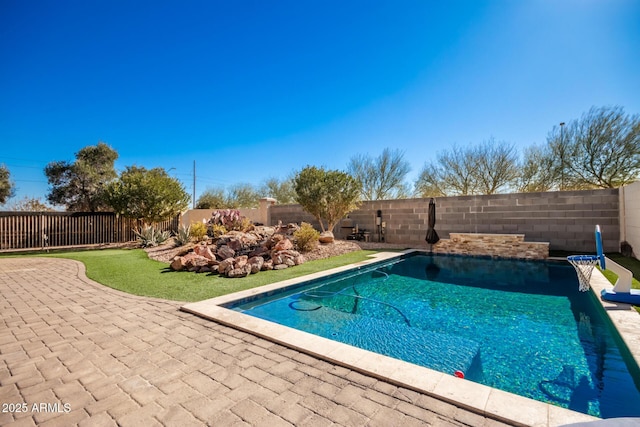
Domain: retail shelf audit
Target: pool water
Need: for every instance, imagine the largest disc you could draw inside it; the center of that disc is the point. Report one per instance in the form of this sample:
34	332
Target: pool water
522	327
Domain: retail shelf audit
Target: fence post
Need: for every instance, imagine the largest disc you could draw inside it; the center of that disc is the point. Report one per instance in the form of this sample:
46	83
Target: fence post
41	227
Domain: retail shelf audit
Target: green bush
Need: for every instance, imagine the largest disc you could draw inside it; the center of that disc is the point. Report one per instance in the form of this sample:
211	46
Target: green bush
306	238
217	230
198	231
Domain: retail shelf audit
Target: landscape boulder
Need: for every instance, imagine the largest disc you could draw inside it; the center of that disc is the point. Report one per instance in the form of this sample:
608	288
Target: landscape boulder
283	245
326	237
243	271
225	252
256	264
205	251
226	266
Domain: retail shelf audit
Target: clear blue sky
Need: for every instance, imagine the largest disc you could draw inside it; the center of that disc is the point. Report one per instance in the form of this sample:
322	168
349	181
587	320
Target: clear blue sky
258	89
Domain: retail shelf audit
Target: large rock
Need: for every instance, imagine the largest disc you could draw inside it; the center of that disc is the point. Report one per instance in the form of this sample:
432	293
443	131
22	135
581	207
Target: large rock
260	251
326	237
225	252
235	244
256	264
283	245
241	261
178	263
205	251
243	271
190	261
225	266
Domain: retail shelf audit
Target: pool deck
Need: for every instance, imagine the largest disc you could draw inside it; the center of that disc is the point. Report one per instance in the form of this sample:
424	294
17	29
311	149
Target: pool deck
95	356
477	398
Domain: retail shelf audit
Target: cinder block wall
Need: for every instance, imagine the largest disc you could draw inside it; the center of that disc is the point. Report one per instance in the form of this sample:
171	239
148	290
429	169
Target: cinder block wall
564	219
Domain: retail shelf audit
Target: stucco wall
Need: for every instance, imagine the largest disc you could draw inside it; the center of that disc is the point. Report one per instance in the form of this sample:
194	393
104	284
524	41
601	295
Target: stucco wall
564	219
630	216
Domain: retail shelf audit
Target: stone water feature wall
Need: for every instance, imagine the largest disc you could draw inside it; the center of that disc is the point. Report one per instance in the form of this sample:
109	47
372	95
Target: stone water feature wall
564	219
494	245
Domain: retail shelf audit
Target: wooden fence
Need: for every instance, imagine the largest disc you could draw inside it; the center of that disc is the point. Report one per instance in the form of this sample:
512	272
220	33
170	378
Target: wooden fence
39	230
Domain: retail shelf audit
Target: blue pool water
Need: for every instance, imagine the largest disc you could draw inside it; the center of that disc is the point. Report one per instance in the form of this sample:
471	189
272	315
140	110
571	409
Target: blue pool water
522	327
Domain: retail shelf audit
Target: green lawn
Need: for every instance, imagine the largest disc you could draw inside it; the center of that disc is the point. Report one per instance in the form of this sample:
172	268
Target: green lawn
130	270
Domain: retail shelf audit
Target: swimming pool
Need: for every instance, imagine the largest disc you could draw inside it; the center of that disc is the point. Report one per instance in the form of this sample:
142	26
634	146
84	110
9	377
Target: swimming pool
517	326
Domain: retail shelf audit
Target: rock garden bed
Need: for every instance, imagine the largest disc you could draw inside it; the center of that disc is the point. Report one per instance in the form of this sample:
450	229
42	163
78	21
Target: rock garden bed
239	254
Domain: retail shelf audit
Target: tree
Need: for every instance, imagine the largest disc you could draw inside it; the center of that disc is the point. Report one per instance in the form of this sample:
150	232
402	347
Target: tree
538	171
212	198
487	168
452	174
242	195
497	166
30	204
147	195
281	190
383	177
328	195
7	187
80	185
600	150
235	197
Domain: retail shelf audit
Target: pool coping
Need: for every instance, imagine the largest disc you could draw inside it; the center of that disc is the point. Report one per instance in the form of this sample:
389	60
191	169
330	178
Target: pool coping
481	399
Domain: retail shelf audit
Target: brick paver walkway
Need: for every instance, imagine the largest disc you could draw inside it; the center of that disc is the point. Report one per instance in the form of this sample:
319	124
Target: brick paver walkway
75	352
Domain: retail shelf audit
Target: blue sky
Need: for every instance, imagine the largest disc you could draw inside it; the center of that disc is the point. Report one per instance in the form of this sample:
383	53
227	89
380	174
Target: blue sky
255	89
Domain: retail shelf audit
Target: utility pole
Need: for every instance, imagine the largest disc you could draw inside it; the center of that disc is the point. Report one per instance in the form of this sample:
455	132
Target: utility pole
194	184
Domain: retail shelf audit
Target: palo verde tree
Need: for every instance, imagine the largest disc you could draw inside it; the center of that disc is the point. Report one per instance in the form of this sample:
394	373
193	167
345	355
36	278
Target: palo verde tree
328	195
80	185
7	188
147	195
599	150
382	177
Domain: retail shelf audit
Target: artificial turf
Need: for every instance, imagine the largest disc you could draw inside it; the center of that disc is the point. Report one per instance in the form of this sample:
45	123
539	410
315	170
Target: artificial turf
131	270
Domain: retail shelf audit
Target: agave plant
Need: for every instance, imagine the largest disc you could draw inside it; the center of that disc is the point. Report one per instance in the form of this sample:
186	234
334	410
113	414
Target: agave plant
184	235
148	236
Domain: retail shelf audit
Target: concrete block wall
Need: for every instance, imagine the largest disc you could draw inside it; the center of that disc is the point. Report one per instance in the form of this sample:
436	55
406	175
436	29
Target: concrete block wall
564	219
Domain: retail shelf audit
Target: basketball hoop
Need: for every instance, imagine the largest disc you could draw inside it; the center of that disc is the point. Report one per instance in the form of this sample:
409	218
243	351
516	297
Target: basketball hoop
584	265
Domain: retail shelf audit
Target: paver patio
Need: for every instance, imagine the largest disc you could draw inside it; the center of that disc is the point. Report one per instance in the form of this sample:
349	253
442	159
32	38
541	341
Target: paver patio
98	357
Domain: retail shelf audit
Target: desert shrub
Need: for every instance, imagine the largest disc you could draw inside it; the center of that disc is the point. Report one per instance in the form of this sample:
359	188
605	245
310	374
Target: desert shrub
217	230
198	231
306	237
245	224
184	235
149	236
